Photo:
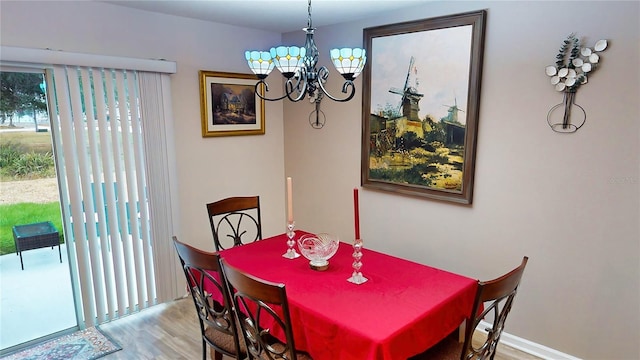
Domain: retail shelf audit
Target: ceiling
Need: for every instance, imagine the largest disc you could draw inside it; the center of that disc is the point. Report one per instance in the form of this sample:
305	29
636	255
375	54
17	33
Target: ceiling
273	15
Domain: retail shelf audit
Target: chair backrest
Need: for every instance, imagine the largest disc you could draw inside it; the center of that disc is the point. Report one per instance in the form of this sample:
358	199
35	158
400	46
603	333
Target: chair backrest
235	221
259	304
209	293
493	302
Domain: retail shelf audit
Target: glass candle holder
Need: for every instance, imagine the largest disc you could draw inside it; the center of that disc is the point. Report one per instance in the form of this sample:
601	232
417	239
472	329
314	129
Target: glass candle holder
291	251
356	276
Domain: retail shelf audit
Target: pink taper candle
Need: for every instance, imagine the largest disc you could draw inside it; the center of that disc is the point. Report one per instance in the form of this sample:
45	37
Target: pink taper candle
356	212
289	201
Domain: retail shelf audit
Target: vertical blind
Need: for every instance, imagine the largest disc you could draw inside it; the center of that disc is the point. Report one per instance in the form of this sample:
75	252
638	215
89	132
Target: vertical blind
100	119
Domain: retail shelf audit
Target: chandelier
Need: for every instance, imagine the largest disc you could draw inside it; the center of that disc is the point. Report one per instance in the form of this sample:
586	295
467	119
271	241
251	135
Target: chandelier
298	66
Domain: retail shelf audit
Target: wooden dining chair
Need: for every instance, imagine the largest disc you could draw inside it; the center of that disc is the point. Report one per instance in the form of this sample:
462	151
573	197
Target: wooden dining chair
492	304
258	302
217	322
235	221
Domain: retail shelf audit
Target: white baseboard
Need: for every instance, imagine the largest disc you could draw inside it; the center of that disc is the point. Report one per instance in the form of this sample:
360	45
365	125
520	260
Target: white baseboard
527	346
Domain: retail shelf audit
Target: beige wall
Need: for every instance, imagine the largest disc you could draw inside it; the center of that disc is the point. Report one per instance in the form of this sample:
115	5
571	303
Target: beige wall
569	202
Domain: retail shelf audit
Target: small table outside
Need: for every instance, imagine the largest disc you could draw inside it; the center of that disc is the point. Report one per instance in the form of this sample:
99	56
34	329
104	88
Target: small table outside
35	236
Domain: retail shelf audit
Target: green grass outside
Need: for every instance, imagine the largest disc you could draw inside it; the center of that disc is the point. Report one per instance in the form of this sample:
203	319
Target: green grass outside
35	141
25	143
25	213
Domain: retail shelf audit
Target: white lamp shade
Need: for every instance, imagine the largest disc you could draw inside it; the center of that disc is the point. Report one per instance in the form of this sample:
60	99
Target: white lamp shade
260	62
288	59
349	62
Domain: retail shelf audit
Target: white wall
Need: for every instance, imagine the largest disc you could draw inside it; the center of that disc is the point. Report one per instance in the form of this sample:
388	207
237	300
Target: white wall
208	168
569	202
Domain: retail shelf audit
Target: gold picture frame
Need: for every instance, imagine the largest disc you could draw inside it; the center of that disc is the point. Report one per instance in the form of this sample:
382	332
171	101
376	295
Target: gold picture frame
419	139
229	104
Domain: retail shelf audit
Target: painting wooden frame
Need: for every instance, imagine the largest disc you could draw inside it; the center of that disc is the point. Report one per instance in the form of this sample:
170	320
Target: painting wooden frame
420	107
229	104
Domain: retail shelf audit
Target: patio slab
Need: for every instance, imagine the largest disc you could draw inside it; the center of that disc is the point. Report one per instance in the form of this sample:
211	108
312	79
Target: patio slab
36	301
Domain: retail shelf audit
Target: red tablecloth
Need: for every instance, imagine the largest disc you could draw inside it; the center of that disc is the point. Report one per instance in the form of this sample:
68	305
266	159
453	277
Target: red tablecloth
404	308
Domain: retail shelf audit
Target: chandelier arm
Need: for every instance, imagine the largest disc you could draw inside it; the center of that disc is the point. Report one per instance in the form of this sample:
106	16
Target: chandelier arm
300	92
348	83
289	89
301	86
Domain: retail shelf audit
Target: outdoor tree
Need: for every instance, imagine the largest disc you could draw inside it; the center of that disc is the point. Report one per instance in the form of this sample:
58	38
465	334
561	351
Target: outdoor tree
21	93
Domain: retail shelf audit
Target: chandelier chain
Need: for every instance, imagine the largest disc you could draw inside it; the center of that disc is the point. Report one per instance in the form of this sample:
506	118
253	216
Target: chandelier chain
309	19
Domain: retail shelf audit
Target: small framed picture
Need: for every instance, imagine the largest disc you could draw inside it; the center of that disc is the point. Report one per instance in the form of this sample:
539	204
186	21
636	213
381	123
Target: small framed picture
230	105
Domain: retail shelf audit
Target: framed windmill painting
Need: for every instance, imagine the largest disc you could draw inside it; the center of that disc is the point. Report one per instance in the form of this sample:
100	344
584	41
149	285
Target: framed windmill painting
421	98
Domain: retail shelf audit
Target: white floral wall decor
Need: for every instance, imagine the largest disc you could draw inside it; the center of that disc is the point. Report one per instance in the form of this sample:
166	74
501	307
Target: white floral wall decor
574	64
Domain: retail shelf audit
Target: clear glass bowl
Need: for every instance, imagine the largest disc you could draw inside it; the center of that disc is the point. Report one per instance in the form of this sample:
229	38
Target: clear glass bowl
318	249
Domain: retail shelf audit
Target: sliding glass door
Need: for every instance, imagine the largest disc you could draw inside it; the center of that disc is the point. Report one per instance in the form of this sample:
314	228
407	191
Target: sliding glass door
100	150
113	153
30	206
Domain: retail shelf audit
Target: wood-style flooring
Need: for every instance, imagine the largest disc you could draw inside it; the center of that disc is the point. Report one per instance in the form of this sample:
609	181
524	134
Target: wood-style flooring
170	331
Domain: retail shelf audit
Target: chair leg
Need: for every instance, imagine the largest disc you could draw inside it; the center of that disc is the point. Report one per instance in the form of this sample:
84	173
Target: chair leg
216	355
204	350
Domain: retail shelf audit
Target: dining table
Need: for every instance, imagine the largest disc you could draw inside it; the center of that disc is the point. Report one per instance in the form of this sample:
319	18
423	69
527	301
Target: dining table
402	310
